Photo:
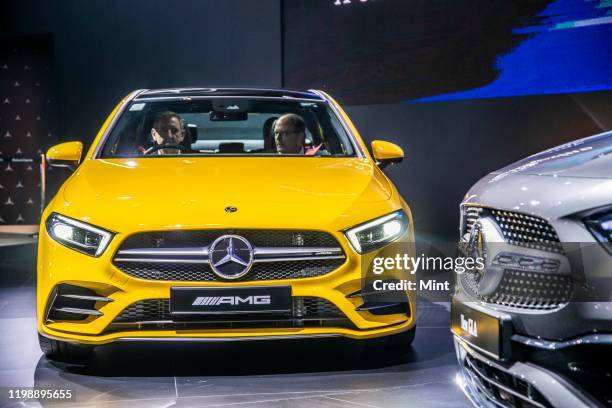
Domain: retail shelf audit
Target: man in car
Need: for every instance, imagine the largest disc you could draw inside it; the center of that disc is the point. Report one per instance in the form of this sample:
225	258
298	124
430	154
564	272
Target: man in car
168	129
289	134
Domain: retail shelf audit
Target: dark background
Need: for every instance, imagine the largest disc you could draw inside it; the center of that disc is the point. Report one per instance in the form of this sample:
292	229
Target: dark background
101	50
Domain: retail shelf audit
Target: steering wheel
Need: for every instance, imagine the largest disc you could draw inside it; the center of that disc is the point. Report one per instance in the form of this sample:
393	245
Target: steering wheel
166	146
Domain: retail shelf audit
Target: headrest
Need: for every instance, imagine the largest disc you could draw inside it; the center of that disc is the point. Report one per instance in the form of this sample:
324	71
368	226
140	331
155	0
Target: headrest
234	147
191	132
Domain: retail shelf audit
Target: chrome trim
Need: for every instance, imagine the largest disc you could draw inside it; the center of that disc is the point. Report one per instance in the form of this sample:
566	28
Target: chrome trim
300	258
85	297
523	398
480	350
78	311
230	256
199	251
204	261
50	304
555	389
304	251
589	339
114	121
163	260
213	339
261	254
345	125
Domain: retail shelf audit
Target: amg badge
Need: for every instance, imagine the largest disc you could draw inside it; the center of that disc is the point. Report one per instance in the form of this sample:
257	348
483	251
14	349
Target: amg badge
235	300
231	300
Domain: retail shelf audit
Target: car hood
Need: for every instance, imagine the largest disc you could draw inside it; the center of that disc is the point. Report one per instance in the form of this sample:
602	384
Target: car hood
161	193
590	157
547	197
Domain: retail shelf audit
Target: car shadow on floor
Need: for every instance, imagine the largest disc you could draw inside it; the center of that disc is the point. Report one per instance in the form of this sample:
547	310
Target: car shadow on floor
235	358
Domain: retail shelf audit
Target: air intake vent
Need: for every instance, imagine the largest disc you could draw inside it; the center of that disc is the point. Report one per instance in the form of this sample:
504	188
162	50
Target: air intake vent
74	303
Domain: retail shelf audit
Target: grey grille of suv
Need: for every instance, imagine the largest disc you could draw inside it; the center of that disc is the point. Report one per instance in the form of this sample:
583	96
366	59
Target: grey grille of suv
527	230
517	228
521	289
525	290
183	255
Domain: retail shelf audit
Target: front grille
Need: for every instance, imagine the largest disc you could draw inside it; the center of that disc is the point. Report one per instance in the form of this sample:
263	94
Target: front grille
524	290
145	310
150	310
517	228
203	272
283	259
527	230
314	307
154	314
500	386
259	238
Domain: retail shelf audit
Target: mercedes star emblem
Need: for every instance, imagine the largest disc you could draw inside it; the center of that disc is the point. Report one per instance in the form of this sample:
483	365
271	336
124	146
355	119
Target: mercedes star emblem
477	245
231	256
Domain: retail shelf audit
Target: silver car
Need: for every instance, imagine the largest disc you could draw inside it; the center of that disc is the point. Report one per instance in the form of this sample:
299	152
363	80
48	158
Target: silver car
533	327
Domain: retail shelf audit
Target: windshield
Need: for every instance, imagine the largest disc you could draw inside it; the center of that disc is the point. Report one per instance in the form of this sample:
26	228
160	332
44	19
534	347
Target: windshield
226	126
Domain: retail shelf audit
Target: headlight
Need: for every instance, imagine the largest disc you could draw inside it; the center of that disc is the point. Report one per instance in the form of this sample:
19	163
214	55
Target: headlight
78	235
600	225
377	233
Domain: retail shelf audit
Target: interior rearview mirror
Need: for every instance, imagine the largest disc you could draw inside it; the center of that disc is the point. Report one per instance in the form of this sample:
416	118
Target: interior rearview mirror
65	155
386	153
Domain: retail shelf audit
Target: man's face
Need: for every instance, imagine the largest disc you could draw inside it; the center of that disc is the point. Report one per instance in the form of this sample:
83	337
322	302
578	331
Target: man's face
168	131
286	138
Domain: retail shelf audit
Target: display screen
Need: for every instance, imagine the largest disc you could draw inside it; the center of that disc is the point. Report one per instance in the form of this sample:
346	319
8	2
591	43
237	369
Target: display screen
388	51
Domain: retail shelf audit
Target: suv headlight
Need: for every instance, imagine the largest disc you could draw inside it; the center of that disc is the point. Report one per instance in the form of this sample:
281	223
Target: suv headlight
377	233
78	235
600	225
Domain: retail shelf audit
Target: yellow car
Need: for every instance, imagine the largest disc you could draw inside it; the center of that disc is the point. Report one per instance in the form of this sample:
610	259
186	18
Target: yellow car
221	214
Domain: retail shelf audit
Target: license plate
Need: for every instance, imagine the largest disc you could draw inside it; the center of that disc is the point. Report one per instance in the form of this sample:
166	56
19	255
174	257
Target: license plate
214	301
487	333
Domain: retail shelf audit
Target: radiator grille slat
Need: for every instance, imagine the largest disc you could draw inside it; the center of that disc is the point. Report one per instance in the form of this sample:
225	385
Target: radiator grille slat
203	272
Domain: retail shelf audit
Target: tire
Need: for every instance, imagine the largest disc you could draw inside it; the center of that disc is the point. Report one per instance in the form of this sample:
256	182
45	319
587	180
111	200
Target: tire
65	352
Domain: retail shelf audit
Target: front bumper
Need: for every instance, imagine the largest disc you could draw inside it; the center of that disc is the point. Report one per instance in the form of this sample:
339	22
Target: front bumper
490	383
526	371
59	265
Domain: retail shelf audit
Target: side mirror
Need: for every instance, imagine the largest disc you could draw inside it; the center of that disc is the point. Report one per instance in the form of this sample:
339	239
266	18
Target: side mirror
65	155
386	153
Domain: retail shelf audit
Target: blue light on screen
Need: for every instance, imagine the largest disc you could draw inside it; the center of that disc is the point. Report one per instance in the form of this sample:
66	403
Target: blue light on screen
569	50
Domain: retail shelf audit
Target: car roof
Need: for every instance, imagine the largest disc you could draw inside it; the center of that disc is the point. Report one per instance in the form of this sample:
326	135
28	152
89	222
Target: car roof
237	92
